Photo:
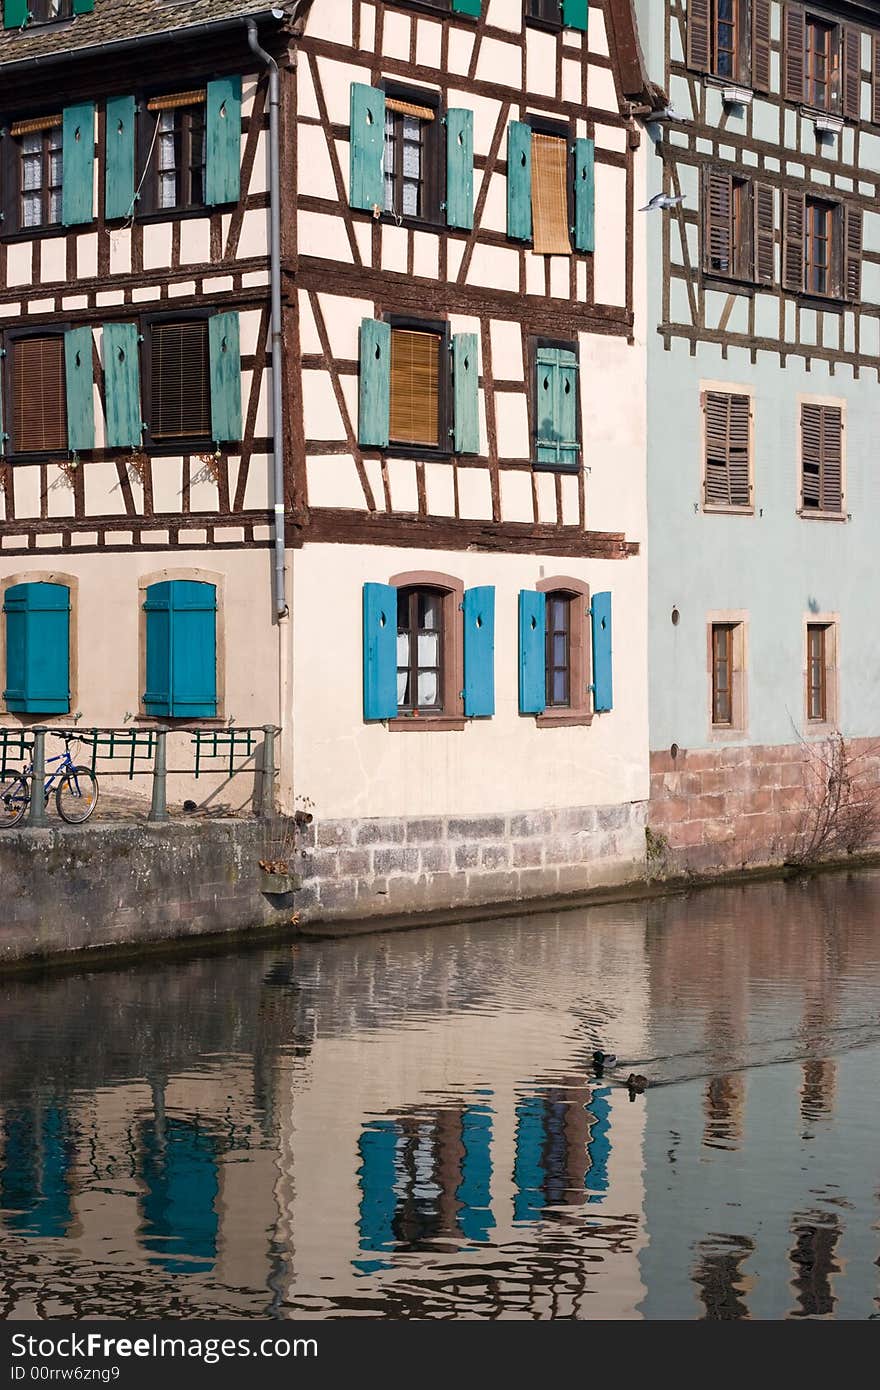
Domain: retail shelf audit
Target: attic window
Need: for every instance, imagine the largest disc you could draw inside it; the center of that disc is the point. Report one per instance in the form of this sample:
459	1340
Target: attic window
47	11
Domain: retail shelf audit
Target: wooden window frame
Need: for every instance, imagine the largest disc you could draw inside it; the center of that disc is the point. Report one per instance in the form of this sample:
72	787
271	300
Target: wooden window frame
147	208
833	102
740	28
15	718
726	388
36	21
12	336
451	716
833	216
580	709
189	443
432	175
198	576
11	228
563	345
737	621
817	513
444	448
551	24
829	623
560	130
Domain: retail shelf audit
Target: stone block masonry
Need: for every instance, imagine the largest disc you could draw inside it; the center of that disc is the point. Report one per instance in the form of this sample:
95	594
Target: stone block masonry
354	869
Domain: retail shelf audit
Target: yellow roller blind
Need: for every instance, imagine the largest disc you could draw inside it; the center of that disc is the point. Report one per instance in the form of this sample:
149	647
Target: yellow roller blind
39	123
415	362
176	99
550	234
409	108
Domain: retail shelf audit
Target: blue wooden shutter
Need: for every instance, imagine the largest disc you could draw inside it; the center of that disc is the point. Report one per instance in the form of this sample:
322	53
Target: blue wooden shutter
83	6
574	14
181	664
225	368
465	390
37	648
366	187
556	423
600	613
479	651
223	135
374	391
584	196
119	157
15	14
532	652
122	392
471	7
193	649
519	181
78	163
460	168
380	651
80	394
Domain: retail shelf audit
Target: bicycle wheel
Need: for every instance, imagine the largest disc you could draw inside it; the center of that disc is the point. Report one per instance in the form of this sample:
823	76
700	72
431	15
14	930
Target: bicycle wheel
77	795
14	800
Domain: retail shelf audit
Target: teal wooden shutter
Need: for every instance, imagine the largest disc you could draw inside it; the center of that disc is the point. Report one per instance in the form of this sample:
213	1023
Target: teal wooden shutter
79	377
122	404
15	14
574	14
225	366
37	648
78	163
465	389
119	157
374	395
532	652
83	6
460	168
181	657
519	181
471	7
600	614
584	196
556	424
380	651
479	651
223	133
366	187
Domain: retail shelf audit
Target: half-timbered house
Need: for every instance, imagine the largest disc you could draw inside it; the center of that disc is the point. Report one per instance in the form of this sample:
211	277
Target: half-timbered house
468	499
764	353
136	482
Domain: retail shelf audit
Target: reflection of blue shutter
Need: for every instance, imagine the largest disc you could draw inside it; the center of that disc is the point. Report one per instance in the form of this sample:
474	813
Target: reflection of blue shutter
223	141
374	388
599	1147
519	181
532	652
77	164
479	651
37	648
528	1167
474	1192
600	612
377	1178
460	168
180	1221
38	1155
466	393
584	196
574	14
122	390
181	660
556	423
380	651
366	180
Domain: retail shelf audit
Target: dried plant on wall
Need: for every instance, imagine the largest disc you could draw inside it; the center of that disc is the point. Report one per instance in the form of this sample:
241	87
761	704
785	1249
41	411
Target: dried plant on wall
841	815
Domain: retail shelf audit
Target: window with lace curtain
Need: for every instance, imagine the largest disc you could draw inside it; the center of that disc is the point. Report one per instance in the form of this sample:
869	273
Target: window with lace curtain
173	152
35	175
412	163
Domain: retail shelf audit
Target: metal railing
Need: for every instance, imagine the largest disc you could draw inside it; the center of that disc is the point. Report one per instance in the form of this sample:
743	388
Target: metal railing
231	747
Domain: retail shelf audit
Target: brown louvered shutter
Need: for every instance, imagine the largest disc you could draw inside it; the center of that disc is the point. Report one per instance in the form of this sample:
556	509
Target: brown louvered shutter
38	395
415	387
698	21
852	74
761	45
875	81
717	221
793	53
793	241
550	234
764	234
180	380
852	253
822	457
727	449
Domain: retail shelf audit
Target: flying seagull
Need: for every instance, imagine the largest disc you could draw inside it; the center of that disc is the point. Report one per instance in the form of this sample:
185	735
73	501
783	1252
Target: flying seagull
663	201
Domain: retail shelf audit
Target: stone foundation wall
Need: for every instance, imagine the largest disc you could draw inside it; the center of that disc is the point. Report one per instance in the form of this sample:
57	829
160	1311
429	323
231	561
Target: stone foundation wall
366	868
730	808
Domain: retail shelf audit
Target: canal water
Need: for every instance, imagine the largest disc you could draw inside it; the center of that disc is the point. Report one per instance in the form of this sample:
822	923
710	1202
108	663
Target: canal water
409	1125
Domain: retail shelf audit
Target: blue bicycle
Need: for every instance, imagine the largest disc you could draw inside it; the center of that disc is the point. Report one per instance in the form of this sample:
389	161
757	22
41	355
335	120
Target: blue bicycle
76	794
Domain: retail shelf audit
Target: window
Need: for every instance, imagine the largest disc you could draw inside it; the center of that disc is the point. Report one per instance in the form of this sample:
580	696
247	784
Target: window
556	423
45	11
562	637
726	653
548	12
727	419
725	25
821	58
718	38
419	650
817	688
738	227
36	385
175	152
550	181
818	244
412	158
821	247
821	458
419	374
559	650
180	649
34	174
180	382
37	640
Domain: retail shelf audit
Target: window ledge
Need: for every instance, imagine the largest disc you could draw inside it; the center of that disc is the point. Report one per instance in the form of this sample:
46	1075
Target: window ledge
731	284
813	514
726	733
560	719
712	510
426	723
542	466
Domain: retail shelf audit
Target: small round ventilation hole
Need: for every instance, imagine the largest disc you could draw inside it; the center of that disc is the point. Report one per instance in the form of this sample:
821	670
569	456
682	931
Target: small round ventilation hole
676	616
673	752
